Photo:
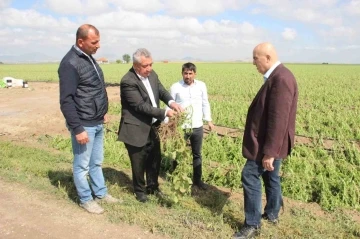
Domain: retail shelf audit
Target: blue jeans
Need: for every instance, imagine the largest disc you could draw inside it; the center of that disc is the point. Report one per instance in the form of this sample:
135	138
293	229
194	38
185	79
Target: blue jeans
252	191
88	159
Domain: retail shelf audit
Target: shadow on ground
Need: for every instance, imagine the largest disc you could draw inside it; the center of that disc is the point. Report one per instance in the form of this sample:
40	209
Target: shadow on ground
63	181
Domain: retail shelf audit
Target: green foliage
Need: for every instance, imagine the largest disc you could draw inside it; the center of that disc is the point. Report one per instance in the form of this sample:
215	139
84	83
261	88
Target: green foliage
329	107
327	178
208	215
329	99
126	58
177	150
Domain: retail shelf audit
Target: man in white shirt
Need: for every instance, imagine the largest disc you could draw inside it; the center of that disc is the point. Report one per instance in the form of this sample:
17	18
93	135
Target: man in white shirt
192	95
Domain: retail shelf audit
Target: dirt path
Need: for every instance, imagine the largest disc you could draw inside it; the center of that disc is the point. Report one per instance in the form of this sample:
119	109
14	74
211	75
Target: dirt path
29	214
35	111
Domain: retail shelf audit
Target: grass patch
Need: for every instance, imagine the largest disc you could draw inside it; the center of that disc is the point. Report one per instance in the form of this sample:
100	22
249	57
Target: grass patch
214	214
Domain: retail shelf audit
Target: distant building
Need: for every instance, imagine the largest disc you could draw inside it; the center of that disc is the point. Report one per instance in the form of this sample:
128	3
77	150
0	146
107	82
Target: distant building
102	60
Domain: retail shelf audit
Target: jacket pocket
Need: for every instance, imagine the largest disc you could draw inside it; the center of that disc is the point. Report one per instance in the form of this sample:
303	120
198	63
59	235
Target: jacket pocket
131	121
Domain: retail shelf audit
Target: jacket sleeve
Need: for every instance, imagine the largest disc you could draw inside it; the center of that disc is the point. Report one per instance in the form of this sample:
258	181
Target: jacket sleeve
280	101
130	92
69	80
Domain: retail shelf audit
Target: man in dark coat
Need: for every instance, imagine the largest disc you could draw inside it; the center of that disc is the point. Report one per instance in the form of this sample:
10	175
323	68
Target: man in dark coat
268	138
141	92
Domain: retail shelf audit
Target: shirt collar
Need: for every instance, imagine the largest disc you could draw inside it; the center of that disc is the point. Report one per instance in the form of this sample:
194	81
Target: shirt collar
182	82
140	77
272	68
80	51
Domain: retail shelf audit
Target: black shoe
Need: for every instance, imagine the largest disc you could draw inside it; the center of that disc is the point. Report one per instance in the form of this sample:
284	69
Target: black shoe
156	191
247	232
201	185
141	197
270	219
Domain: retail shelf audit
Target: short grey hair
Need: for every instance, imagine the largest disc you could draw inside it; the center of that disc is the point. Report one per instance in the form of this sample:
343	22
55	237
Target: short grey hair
140	52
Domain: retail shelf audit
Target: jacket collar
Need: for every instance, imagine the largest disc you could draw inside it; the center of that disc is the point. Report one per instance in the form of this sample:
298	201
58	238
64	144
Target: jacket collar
132	70
272	68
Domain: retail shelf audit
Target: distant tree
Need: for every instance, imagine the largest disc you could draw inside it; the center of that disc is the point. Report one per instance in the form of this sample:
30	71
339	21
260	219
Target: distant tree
1	62
126	58
118	61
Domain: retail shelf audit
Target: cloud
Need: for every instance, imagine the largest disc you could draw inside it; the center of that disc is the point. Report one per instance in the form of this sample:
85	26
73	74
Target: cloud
352	47
289	34
182	8
32	19
4	3
353	7
160	26
343	31
77	7
141	6
307	11
212	30
201	7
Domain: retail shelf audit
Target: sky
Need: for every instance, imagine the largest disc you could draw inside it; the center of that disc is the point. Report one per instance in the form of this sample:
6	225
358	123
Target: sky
209	30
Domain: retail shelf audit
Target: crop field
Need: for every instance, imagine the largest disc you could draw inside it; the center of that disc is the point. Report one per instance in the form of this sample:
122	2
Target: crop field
328	110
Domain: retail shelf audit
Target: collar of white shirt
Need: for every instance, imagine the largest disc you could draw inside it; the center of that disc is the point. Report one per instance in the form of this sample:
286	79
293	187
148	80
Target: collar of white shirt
182	82
272	68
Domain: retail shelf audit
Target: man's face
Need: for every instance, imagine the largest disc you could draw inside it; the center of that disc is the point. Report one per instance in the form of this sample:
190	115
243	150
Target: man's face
261	61
91	44
188	76
144	68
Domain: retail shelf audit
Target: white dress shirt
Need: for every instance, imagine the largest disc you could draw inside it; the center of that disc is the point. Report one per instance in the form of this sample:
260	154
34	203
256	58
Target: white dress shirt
194	99
272	68
147	85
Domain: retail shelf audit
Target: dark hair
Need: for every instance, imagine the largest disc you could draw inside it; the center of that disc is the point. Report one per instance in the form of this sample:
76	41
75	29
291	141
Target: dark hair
83	31
188	66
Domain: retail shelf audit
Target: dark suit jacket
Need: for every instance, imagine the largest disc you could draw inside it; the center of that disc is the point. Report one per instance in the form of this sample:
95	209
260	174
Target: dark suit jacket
270	122
137	111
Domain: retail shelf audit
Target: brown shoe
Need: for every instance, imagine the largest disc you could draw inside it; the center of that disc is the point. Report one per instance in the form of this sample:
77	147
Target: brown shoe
108	199
92	207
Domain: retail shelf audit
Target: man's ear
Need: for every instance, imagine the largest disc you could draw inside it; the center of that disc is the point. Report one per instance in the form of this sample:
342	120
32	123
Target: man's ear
268	58
80	42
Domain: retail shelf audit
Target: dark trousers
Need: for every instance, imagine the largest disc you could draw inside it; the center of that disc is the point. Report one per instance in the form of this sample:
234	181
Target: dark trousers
147	160
196	138
252	191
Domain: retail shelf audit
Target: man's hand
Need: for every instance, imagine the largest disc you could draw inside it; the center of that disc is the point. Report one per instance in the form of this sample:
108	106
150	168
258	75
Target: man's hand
106	118
267	163
211	126
175	106
82	138
170	113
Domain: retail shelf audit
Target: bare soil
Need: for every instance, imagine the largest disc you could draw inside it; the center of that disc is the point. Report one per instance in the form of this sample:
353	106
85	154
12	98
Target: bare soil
25	114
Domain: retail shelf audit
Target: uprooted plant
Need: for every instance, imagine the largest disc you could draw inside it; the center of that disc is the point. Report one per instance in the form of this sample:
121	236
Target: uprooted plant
175	146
